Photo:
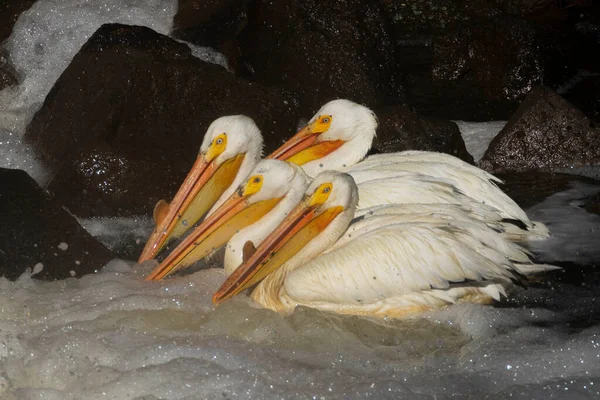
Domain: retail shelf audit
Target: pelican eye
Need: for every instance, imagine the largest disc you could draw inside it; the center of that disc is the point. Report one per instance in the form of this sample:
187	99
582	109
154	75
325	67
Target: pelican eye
219	141
327	190
325	120
256	180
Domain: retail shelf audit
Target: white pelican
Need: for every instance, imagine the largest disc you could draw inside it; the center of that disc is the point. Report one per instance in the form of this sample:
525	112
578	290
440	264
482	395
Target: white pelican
402	178
274	187
341	133
271	190
383	263
231	147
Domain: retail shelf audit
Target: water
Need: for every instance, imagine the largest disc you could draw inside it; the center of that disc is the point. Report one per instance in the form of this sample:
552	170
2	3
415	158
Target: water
111	335
478	135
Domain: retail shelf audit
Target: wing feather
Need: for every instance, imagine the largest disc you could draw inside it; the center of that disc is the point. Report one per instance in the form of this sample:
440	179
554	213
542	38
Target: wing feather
400	258
471	181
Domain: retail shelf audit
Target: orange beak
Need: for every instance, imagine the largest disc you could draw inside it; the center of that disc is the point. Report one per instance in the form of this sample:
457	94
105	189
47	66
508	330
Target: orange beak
235	214
301	226
303	139
305	146
202	187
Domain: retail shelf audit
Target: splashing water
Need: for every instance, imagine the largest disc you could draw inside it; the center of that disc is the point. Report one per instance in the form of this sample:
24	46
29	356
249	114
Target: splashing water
111	335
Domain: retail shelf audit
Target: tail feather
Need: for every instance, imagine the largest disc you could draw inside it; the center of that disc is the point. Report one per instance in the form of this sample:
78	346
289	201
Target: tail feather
530	269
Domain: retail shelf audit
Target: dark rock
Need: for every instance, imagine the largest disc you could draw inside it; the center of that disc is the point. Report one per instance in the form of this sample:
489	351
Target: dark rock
323	50
122	125
546	132
585	95
9	13
36	229
209	23
402	129
547	14
214	23
432	17
481	70
426	17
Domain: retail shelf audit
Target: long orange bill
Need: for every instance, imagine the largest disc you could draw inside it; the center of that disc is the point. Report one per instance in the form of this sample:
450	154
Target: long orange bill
202	187
304	147
301	226
234	214
303	139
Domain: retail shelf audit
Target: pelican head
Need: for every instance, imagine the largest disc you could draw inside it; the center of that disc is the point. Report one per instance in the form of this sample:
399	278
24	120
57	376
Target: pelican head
271	190
339	135
232	145
317	222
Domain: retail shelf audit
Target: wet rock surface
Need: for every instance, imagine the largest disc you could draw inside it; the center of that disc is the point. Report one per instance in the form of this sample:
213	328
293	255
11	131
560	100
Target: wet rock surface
210	23
402	129
546	132
38	233
427	16
323	51
122	125
213	23
479	70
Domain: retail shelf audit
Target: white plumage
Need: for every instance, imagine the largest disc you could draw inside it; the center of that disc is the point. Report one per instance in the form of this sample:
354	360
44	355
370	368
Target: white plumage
467	179
408	176
388	260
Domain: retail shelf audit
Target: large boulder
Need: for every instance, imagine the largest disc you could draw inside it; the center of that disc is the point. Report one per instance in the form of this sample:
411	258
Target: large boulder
402	129
323	50
122	125
479	70
546	132
40	235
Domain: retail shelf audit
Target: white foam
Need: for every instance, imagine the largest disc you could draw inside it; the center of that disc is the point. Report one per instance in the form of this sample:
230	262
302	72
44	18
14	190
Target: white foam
118	233
112	335
478	135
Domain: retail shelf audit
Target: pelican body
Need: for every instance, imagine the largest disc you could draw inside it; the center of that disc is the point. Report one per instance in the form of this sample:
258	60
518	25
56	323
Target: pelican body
341	133
383	262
